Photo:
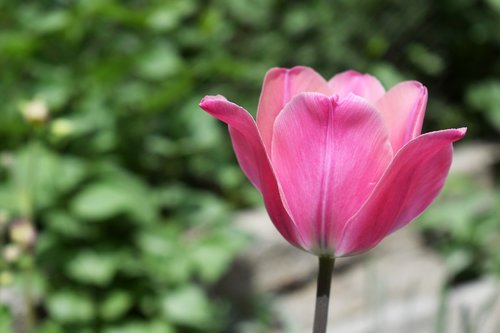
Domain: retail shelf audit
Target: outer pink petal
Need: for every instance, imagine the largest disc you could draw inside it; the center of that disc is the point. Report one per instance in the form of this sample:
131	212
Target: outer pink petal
403	109
363	85
253	160
280	86
328	154
410	184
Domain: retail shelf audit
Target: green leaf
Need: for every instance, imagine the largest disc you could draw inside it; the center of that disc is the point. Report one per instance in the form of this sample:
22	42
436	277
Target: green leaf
118	193
5	319
387	74
485	96
427	61
494	4
93	267
63	223
168	15
49	326
68	306
156	244
187	306
41	176
160	327
160	62
49	22
211	261
212	255
115	305
100	201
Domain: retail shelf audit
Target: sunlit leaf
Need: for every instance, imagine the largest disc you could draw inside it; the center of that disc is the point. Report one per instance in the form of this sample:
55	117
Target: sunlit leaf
68	306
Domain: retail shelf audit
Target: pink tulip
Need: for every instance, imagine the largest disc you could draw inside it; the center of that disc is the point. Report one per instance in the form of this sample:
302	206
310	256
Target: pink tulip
342	163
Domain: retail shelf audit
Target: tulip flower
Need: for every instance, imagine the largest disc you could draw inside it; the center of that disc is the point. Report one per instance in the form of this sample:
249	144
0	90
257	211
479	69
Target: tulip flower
340	164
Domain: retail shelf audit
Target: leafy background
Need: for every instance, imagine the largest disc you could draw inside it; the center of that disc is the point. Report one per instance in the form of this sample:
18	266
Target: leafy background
130	186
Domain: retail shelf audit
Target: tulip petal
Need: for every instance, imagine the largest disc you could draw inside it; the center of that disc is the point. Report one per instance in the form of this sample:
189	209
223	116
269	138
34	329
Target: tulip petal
254	161
280	86
410	184
363	85
327	154
403	109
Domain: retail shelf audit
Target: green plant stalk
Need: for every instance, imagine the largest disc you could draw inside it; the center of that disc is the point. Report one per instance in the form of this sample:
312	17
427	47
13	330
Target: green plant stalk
326	265
440	325
27	210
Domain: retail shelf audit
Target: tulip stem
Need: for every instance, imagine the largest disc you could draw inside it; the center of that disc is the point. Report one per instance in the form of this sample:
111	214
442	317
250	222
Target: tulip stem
326	265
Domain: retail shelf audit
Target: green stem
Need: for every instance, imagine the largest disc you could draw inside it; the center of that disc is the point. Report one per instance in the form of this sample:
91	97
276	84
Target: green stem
326	265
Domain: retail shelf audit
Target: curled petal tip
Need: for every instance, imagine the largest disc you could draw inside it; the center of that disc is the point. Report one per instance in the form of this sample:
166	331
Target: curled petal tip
294	68
446	136
417	84
361	84
457	133
205	101
353	72
422	88
276	71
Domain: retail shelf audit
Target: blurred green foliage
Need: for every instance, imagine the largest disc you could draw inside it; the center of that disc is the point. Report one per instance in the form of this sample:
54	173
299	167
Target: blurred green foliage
464	224
5	320
127	180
